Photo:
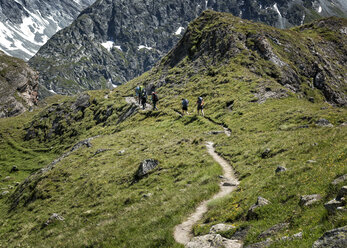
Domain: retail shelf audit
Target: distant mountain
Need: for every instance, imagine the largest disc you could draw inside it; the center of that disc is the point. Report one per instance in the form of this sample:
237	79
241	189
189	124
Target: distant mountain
26	25
18	86
114	41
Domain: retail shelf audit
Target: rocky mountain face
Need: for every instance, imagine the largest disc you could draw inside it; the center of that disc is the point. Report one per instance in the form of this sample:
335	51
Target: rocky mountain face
114	41
26	25
297	60
18	86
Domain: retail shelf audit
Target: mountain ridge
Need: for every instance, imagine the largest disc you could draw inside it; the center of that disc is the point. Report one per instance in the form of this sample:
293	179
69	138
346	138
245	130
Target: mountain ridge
108	47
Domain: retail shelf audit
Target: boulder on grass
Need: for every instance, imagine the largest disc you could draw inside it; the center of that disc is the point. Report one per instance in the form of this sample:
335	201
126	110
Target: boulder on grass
221	228
213	241
251	211
331	206
307	200
342	193
145	167
336	238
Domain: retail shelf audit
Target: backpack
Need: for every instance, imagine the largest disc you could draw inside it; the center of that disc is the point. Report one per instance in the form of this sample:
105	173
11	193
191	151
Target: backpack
144	94
185	103
155	97
200	101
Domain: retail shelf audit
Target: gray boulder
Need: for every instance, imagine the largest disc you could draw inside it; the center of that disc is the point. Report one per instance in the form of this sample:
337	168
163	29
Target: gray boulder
307	200
324	123
273	230
336	238
266	153
295	236
14	169
145	167
221	228
280	169
213	241
260	202
332	205
340	179
54	217
342	193
262	244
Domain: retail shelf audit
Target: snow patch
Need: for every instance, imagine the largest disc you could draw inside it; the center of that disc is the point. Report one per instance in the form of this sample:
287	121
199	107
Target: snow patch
52	91
319	9
144	47
303	19
118	47
206	2
277	10
179	30
108	45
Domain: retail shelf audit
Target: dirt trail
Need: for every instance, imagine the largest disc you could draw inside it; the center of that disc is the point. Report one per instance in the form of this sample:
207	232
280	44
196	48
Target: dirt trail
132	100
183	231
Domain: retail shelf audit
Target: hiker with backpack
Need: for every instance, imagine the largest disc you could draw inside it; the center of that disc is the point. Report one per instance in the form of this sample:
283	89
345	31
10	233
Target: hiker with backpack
155	99
200	105
143	99
137	93
185	103
141	92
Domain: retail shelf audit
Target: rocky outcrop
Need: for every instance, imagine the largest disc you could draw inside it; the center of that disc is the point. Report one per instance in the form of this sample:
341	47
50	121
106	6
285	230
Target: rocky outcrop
338	203
273	230
146	167
53	218
308	56
213	241
280	169
339	179
221	228
252	214
307	200
106	46
18	86
336	238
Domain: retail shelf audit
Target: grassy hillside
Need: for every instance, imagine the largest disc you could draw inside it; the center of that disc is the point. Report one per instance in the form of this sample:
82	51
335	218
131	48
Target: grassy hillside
272	123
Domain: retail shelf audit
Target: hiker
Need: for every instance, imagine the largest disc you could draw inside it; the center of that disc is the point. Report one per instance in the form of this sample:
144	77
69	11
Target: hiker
185	106
143	99
141	91
155	99
200	105
137	92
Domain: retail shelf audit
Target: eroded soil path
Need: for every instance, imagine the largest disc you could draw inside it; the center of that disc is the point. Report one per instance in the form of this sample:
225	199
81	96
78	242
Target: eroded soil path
229	182
132	100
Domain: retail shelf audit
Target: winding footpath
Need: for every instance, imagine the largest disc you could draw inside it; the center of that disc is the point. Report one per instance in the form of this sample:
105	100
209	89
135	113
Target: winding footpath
132	100
183	231
229	182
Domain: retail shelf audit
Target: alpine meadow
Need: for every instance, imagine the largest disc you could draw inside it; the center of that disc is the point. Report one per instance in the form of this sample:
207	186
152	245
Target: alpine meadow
74	171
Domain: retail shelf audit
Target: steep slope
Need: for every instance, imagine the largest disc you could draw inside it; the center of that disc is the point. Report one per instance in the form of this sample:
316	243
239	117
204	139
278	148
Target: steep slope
106	45
18	86
26	25
93	193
